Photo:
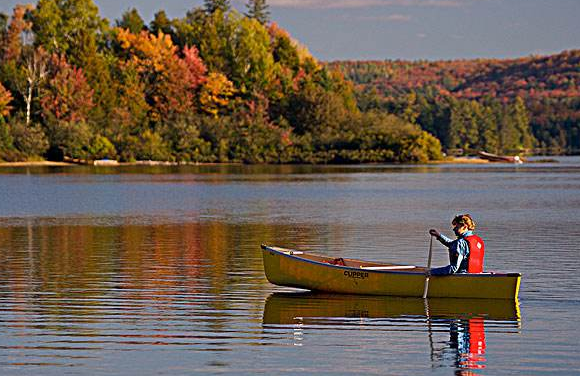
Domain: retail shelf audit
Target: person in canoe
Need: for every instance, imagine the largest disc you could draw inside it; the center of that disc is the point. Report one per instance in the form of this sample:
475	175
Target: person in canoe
466	252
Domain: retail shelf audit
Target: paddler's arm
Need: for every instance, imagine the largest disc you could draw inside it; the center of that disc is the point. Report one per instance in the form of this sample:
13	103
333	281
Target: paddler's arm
442	238
457	252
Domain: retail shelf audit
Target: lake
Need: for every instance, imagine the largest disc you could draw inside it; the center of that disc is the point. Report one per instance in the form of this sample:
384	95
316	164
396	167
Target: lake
158	270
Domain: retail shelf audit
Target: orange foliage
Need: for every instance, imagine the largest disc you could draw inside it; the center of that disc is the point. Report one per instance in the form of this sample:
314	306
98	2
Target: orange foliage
18	25
5	99
277	31
148	52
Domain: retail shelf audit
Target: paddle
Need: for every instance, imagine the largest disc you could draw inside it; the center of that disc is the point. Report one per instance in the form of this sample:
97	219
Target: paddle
426	289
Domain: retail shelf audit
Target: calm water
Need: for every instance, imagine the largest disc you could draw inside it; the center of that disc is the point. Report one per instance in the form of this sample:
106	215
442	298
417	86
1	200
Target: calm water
158	271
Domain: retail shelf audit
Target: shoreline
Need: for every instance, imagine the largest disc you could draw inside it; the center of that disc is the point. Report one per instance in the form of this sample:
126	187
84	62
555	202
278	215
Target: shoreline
453	160
108	164
460	160
36	164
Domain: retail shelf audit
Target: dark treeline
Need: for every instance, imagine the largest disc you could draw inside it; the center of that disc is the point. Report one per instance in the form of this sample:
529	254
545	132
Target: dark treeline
213	86
497	105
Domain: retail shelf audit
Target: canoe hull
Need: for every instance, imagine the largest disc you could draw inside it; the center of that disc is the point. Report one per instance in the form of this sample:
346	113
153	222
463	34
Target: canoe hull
285	269
500	158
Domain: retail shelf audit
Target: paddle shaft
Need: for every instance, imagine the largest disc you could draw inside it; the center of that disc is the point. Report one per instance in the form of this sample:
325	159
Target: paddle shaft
426	289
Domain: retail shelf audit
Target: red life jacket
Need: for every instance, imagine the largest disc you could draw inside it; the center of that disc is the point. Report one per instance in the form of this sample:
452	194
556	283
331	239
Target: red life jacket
476	253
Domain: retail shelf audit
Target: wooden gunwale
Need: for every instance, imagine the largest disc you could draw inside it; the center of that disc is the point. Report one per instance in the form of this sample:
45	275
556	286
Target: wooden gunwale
417	269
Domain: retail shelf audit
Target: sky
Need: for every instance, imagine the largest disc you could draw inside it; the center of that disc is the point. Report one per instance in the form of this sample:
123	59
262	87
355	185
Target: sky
402	29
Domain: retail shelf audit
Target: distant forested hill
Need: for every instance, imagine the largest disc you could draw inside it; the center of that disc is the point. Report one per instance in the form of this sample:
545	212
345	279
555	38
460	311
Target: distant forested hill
434	93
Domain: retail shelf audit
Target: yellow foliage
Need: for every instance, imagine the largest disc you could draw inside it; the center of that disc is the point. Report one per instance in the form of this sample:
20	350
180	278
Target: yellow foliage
215	93
148	52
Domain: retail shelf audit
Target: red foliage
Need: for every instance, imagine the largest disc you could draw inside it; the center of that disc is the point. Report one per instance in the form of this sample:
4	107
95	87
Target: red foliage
68	96
173	81
537	76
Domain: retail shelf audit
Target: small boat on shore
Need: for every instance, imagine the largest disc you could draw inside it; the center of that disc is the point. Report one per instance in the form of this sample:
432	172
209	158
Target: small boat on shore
291	268
500	158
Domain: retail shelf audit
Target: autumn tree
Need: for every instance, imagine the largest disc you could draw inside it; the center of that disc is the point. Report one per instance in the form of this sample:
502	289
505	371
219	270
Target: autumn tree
215	94
129	115
171	81
23	66
231	44
284	51
14	34
67	97
5	99
66	101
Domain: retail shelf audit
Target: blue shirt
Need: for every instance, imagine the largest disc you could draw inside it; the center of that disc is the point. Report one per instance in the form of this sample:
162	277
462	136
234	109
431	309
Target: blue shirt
458	255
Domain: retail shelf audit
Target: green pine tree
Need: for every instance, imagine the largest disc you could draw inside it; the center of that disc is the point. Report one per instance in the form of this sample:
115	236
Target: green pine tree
211	6
160	23
488	131
132	21
521	120
258	10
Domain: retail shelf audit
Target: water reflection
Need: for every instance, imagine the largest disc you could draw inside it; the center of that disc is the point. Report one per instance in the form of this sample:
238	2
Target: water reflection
159	271
71	294
455	328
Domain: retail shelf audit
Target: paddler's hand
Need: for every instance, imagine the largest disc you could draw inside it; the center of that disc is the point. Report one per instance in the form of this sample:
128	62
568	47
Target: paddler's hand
434	233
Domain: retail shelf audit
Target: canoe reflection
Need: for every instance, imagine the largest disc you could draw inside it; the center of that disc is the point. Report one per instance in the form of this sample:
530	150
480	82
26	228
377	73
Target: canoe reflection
464	320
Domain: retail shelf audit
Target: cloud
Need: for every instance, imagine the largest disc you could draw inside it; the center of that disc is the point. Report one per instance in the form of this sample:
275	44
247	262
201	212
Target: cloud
398	17
378	18
344	4
387	18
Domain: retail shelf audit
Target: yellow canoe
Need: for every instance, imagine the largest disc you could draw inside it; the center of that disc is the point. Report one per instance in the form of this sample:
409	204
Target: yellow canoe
290	268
